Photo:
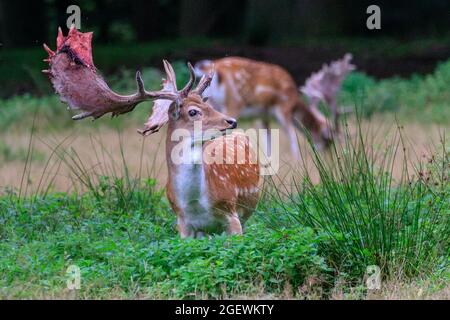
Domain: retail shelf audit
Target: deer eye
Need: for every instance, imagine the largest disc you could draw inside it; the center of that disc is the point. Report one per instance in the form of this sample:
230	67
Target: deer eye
193	112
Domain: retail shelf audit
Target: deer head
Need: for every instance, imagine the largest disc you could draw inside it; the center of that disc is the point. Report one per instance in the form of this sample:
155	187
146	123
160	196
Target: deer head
325	84
187	108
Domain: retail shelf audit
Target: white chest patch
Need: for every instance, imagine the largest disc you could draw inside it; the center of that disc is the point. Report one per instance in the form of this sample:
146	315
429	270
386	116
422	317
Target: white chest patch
191	193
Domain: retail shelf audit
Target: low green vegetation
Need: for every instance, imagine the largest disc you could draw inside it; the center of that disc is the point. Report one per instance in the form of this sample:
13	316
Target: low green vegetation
133	247
420	98
304	240
425	98
370	217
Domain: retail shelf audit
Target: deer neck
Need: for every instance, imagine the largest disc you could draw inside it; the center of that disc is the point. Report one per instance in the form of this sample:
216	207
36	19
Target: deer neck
186	173
182	152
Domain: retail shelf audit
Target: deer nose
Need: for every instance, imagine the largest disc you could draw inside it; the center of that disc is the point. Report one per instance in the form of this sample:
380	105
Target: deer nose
232	122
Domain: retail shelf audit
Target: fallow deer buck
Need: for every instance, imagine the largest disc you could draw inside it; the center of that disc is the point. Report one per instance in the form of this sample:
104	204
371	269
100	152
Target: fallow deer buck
242	87
210	192
324	85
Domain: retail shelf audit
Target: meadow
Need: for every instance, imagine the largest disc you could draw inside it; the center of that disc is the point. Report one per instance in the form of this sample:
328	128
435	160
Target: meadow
90	195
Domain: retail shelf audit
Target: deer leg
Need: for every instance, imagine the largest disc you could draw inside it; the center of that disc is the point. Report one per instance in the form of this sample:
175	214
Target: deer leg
234	224
334	110
293	141
183	230
199	235
289	128
266	123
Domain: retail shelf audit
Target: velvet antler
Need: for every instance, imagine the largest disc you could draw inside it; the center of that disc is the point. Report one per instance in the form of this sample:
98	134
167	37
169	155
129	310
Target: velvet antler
76	81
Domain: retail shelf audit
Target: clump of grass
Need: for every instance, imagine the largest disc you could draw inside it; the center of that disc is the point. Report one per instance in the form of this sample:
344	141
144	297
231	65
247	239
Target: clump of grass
139	255
367	216
223	265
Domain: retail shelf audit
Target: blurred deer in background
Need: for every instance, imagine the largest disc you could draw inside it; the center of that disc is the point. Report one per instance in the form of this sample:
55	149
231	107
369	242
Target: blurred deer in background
242	87
324	86
207	196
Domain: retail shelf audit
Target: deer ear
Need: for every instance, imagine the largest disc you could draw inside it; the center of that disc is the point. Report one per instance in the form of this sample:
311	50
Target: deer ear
174	111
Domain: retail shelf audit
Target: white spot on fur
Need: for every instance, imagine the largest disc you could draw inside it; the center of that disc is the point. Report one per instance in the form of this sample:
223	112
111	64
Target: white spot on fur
264	89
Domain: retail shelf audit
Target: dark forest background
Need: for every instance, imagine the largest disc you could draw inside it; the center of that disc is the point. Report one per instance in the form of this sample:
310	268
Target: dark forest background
25	23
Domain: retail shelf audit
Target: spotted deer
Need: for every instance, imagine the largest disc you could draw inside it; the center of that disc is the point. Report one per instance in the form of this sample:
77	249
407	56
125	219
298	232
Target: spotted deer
242	87
325	84
209	190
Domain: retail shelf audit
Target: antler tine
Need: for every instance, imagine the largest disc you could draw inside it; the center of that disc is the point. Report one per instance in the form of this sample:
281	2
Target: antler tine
140	84
143	94
190	84
204	82
170	74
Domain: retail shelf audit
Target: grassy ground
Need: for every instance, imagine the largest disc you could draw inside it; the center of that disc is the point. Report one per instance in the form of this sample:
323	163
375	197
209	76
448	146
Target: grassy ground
98	147
91	197
306	240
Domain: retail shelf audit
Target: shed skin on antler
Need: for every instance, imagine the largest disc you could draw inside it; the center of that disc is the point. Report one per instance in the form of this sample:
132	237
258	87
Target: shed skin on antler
325	84
76	81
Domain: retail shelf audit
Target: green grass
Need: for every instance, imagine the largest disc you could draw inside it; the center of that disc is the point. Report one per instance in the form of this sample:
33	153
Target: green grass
137	251
369	217
121	233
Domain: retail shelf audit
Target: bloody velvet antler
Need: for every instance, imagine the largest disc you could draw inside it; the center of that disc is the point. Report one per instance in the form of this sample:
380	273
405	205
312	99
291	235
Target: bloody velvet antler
76	81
